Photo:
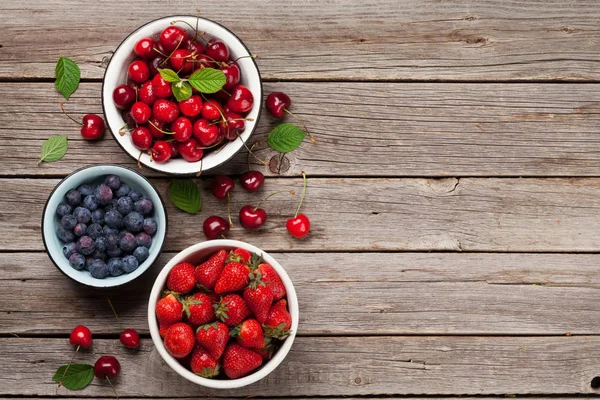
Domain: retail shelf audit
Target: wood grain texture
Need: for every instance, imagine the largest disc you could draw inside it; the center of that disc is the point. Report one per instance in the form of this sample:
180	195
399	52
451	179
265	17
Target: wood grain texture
342	39
366	129
470	214
336	366
347	294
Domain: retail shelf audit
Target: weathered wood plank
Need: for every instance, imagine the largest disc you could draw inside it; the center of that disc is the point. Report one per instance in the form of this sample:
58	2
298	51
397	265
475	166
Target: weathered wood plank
470	214
450	40
389	129
336	366
347	294
346	398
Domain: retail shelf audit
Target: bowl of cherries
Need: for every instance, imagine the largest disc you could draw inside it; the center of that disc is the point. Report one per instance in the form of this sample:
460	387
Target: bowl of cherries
182	95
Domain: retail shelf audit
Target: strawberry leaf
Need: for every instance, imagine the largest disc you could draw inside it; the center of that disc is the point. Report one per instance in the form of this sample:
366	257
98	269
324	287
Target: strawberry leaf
67	75
182	90
185	195
285	138
208	80
74	376
169	75
53	149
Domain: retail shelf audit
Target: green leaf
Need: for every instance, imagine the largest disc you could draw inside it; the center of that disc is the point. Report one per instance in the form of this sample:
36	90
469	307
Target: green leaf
53	149
285	138
169	75
67	75
77	376
185	195
208	80
182	90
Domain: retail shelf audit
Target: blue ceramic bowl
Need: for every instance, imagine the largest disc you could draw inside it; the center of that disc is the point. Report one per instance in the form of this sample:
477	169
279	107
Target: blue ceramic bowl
95	174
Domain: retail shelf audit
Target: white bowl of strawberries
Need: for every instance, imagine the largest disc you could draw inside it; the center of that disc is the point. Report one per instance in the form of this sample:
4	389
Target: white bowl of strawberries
223	314
182	94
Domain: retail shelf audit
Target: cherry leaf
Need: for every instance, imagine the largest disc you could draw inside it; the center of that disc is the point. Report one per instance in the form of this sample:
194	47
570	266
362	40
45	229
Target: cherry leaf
285	138
182	90
169	75
67	75
53	149
74	376
185	195
208	80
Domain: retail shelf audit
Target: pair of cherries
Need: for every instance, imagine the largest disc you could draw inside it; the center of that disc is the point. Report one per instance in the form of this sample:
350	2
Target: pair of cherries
106	367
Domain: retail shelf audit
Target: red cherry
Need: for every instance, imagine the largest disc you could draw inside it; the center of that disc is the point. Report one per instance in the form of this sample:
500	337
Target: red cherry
182	128
172	37
194	47
252	180
141	138
211	110
154	126
123	96
140	112
107	367
214	227
233	125
277	103
180	61
161	87
190	151
143	48
221	186
241	99
222	96
165	110
146	93
232	75
174	151
206	133
204	61
93	127
138	71
157	62
81	336
161	151
218	51
298	226
192	106
130	339
252	218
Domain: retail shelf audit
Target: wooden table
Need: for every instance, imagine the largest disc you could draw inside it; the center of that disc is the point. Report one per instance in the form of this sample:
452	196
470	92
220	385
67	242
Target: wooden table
454	193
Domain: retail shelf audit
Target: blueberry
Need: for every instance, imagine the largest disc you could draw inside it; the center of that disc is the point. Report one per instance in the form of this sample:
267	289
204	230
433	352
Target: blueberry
83	215
90	202
112	205
63	209
85	245
123	190
116	252
80	229
68	221
77	261
112	241
69	249
144	206
85	190
101	243
115	267
108	230
130	263
150	226
125	205
127	242
95	231
113	218
98	216
73	197
143	239
141	254
133	222
103	194
98	269
122	232
112	181
99	255
135	195
65	235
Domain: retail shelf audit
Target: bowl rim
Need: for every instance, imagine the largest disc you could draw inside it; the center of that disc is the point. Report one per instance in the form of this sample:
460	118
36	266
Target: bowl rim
62	181
267	367
166	18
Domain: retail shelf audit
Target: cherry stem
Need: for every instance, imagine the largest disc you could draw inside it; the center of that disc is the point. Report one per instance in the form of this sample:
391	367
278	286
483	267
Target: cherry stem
212	145
70	362
303	194
253	56
159	52
62	107
229	210
139	163
248	156
273	194
115	313
223	236
160	130
112	386
200	172
250	151
312	139
174	50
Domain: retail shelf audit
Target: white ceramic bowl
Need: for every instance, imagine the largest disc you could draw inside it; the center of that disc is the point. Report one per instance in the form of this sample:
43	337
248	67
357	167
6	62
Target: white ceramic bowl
195	255
50	221
116	74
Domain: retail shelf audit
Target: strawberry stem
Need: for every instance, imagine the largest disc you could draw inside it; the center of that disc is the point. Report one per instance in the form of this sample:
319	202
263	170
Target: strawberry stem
70	362
312	139
273	194
115	313
303	194
62	107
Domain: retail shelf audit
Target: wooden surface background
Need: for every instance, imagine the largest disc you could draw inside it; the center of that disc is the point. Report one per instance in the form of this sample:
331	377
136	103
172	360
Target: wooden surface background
454	193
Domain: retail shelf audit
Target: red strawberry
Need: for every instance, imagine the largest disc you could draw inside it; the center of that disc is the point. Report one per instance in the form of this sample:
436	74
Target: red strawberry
267	350
239	361
199	308
179	340
168	310
203	364
162	330
232	310
258	297
279	321
234	277
249	334
240	255
208	272
271	278
181	278
213	337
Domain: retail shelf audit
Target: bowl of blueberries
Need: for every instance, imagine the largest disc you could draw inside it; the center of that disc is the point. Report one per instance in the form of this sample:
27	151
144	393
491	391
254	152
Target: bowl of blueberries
104	225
